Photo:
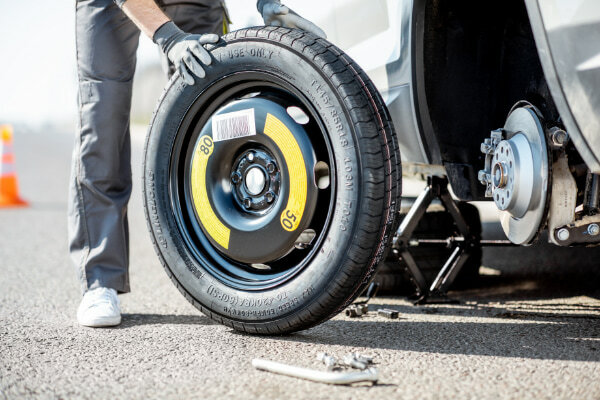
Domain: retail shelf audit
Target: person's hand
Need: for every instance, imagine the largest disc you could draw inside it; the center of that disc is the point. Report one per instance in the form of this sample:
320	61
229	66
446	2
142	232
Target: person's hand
276	14
185	50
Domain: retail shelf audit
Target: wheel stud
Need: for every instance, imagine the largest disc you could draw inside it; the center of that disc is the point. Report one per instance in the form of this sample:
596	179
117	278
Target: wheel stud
247	203
250	157
271	167
270	196
236	178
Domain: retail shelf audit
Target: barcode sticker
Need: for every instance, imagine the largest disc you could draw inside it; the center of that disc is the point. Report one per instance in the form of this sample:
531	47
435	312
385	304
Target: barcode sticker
233	125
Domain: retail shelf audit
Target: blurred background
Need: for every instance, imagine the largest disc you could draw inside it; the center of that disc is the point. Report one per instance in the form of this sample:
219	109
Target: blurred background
38	75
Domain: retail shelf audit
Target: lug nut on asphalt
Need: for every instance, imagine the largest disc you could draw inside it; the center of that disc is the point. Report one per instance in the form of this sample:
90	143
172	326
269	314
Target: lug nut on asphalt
562	234
236	178
352	313
351	361
357	310
329	361
387	313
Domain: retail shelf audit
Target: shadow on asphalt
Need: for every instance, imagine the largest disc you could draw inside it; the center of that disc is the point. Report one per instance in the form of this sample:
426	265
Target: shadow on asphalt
530	287
513	287
482	310
131	320
561	341
535	328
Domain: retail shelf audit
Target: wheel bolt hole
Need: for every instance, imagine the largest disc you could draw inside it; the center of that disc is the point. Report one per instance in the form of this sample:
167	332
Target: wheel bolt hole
321	171
305	239
261	266
298	115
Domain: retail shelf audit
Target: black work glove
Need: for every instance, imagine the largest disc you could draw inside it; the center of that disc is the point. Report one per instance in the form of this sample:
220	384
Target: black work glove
276	14
185	50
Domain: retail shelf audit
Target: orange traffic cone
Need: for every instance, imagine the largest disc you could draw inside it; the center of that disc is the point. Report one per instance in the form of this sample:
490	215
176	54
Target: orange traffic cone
9	190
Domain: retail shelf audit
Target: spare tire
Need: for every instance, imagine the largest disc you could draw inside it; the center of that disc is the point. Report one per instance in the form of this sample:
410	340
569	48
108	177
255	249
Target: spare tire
271	186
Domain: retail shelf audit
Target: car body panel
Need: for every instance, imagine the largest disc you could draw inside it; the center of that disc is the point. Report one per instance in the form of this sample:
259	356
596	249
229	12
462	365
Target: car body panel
567	35
377	35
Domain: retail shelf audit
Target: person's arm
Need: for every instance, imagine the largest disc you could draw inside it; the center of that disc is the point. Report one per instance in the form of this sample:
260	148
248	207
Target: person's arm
183	49
145	14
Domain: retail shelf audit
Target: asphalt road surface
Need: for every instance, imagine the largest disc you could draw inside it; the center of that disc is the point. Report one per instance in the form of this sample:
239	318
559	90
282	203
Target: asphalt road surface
515	336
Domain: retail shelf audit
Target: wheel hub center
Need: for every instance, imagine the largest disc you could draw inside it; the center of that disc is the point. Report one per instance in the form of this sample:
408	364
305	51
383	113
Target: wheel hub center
516	173
512	175
499	173
255	181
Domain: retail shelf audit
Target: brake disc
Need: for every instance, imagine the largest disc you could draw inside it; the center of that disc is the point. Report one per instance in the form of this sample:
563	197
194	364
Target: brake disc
517	174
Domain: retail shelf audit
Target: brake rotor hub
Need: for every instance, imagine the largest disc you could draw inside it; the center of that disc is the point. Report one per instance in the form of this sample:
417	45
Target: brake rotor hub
516	173
512	175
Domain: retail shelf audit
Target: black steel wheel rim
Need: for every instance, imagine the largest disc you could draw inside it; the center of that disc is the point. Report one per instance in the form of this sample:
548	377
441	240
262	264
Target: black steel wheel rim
225	95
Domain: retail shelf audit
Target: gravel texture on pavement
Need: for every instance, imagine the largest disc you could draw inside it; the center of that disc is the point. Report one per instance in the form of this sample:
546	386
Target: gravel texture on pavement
513	337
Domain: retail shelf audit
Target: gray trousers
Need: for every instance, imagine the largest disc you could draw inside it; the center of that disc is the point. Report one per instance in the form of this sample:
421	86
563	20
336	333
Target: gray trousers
106	42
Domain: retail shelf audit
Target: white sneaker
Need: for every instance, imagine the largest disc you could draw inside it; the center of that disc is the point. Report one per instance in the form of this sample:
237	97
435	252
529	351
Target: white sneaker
99	307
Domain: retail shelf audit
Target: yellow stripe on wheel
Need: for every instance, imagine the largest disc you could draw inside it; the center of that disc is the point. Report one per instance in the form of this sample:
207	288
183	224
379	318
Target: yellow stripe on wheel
292	214
210	222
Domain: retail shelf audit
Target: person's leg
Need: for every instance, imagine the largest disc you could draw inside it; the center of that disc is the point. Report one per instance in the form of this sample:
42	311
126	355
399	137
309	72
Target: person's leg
194	16
101	171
